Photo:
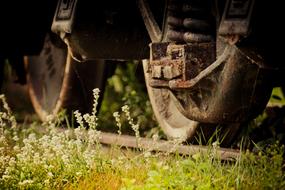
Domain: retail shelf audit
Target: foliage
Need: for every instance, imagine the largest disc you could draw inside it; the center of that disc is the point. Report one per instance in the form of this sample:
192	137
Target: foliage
32	160
73	159
127	87
277	97
203	171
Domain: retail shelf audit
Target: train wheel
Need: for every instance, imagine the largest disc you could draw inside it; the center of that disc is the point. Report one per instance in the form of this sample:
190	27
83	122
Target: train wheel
176	126
56	81
223	83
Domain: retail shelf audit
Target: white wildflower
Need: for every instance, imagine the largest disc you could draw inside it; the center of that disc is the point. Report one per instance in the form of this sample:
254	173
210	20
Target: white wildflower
136	130
96	92
79	133
67	133
116	115
26	183
6	177
134	126
216	144
78	173
9	116
79	118
155	137
91	120
50	118
16	148
32	138
49	174
78	144
65	159
49	122
46	182
46	166
213	151
16	138
88	156
12	162
93	136
37	159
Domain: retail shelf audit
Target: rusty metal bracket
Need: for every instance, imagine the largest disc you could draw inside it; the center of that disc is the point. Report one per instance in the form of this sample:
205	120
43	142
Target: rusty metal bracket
233	88
188	84
179	66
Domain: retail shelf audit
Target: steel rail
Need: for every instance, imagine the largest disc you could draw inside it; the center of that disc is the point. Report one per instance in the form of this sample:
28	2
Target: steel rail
165	146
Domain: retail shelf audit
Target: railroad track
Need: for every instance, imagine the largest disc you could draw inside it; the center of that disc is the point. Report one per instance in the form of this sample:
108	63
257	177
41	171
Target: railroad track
144	143
149	144
165	146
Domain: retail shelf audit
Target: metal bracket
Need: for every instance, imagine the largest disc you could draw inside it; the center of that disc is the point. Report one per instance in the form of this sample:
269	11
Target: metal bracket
177	66
233	88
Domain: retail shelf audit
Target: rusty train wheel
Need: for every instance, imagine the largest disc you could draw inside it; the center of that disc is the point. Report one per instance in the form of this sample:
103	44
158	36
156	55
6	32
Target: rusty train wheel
56	81
176	126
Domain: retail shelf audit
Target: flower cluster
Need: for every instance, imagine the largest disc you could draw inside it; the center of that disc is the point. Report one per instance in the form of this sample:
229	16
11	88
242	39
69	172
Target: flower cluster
118	122
92	119
6	115
134	126
49	160
41	161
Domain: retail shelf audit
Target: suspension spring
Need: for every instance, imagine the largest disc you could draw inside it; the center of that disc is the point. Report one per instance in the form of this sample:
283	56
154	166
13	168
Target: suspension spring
190	21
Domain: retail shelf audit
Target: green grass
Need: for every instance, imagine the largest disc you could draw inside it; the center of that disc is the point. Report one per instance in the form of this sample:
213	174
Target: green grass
34	159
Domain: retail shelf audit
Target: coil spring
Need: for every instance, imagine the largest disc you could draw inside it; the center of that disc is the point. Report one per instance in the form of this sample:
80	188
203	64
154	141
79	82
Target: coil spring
190	21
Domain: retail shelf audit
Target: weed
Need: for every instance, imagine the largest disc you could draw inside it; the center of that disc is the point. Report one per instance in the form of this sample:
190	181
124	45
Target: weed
74	159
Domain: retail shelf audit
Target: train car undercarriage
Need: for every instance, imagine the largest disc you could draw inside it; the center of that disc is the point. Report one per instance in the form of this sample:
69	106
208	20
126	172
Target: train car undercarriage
206	63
